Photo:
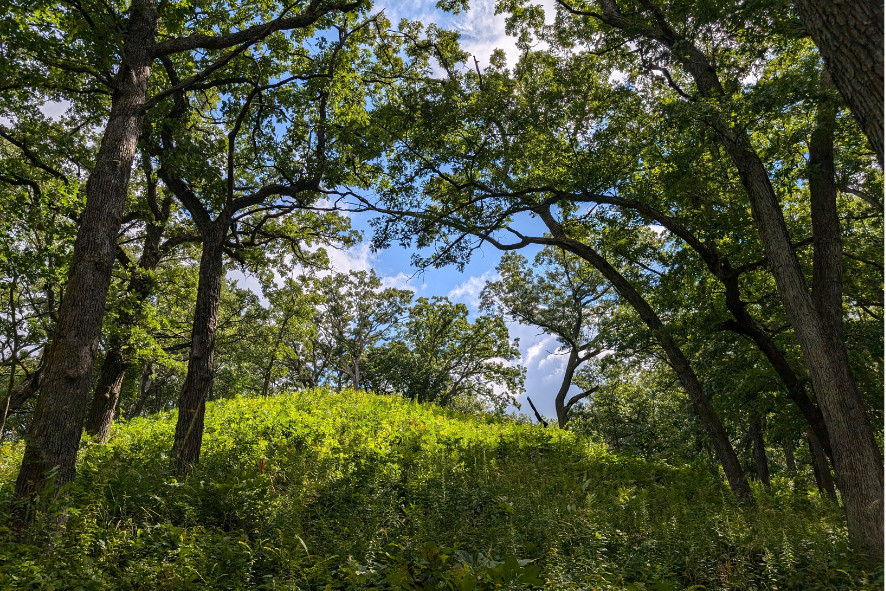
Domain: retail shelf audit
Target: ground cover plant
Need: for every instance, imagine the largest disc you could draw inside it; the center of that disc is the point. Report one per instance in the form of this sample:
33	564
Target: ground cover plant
348	490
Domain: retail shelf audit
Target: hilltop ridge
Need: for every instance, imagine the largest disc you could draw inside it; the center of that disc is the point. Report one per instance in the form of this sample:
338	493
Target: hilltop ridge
326	490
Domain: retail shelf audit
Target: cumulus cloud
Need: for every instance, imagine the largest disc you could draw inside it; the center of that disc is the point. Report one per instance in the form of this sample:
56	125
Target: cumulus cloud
536	351
483	31
544	367
399	281
468	291
357	258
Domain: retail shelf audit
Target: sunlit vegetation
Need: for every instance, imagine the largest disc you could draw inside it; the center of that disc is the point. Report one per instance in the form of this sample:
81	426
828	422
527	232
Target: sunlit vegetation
344	490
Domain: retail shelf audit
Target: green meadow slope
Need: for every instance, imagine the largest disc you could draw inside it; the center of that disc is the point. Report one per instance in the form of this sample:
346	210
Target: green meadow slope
323	490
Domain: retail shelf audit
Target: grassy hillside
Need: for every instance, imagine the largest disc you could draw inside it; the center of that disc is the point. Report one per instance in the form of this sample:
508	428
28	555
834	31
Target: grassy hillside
321	490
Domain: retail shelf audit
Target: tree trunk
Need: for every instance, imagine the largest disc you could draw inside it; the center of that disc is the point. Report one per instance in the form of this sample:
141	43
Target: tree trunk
759	447
743	322
849	36
857	459
13	357
827	240
55	430
118	358
560	400
266	382
704	410
821	469
192	401
747	326
855	452
106	394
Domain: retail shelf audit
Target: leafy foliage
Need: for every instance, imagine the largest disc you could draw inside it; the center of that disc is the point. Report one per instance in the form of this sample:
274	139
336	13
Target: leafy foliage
325	490
440	356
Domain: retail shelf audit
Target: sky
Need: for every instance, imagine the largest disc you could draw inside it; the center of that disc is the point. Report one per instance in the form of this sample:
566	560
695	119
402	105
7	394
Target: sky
482	31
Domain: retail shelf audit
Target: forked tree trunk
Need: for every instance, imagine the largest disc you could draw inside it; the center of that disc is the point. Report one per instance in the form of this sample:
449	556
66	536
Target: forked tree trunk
55	430
192	401
560	399
703	408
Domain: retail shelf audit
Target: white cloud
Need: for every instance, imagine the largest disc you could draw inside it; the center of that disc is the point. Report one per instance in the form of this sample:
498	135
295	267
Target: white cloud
357	258
535	351
553	364
468	291
544	367
399	281
483	31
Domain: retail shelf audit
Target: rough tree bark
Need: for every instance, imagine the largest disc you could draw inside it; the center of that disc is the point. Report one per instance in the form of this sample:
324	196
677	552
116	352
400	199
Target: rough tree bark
849	36
827	240
55	430
107	393
705	412
192	400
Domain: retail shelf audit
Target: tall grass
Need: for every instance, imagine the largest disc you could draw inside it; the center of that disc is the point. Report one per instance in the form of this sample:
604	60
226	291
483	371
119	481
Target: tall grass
325	490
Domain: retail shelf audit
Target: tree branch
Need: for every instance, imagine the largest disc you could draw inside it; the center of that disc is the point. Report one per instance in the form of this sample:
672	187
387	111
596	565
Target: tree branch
537	414
252	35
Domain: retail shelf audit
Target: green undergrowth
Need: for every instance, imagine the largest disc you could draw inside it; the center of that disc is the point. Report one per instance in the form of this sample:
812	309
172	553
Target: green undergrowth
323	490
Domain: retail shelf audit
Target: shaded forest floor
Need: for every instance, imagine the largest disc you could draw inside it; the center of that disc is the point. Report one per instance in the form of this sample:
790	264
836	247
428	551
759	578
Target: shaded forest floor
320	490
